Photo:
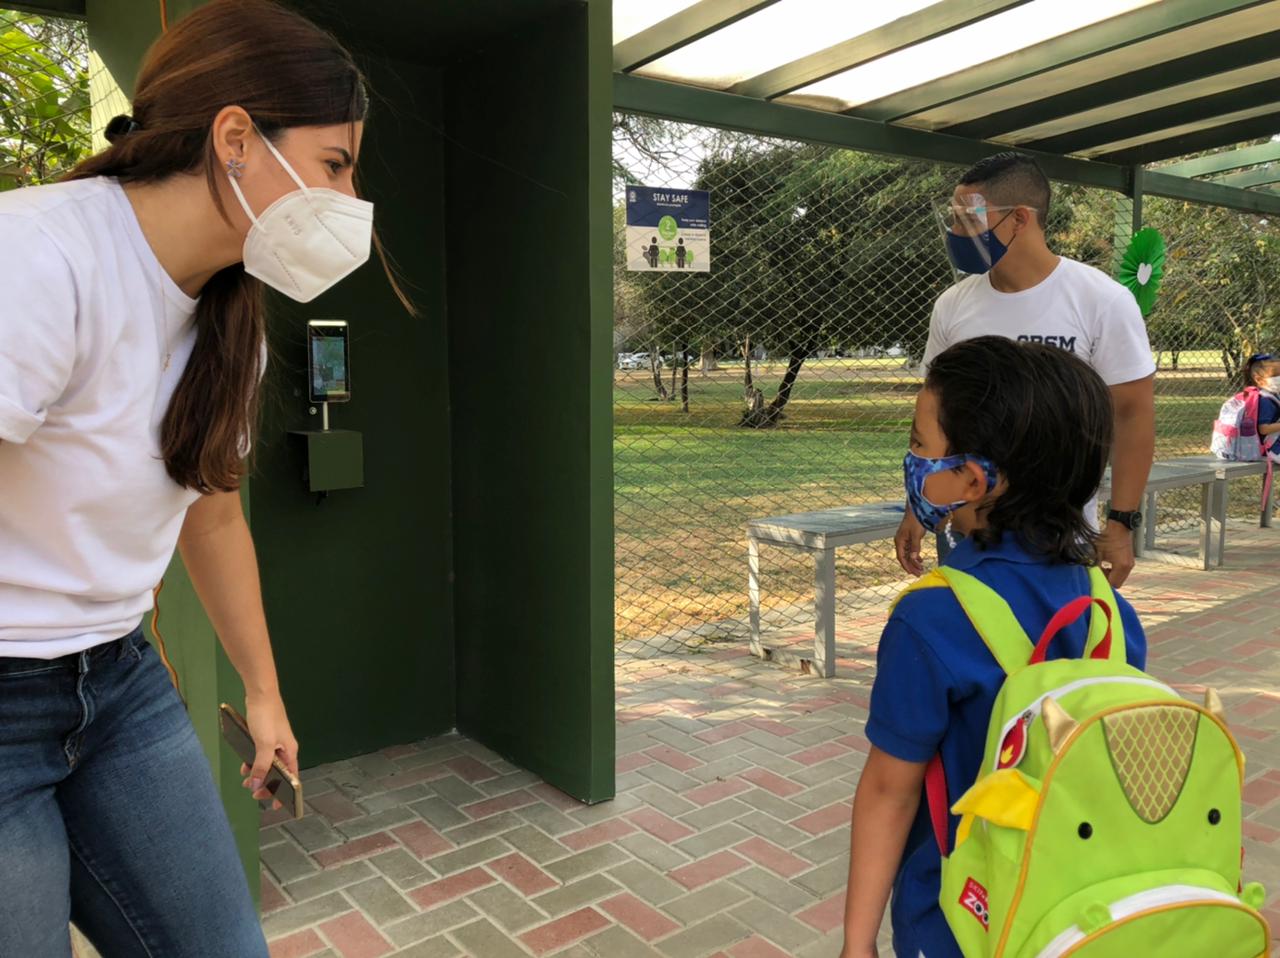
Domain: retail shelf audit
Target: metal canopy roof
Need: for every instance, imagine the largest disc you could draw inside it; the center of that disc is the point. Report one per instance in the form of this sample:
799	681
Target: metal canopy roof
1117	83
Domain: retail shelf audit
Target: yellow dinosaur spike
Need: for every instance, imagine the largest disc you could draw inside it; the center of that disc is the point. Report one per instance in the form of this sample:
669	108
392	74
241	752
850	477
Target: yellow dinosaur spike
1213	702
1057	723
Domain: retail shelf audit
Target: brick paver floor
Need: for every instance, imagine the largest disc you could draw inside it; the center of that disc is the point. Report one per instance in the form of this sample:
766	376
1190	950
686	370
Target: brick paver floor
729	835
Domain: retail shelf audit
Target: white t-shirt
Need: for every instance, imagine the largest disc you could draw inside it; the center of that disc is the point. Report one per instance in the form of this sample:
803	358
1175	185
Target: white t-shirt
89	518
1075	307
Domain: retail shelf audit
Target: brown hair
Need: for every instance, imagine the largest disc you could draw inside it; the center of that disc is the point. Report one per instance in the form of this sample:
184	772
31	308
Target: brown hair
285	72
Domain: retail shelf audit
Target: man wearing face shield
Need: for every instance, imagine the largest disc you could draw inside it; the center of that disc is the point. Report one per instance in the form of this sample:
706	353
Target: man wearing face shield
1016	286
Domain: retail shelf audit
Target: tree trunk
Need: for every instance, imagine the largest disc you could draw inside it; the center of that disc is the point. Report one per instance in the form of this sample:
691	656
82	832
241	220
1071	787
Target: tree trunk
684	380
746	366
658	387
760	416
794	362
1173	358
707	358
675	365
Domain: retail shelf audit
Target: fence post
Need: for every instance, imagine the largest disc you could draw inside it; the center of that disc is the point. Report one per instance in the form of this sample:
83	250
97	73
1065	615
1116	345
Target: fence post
1135	195
1128	215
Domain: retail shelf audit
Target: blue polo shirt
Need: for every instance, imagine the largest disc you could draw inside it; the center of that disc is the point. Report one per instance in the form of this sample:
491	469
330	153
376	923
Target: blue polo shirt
935	686
1268	409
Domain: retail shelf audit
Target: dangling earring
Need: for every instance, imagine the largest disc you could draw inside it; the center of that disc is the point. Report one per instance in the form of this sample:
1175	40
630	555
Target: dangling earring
235	168
947	534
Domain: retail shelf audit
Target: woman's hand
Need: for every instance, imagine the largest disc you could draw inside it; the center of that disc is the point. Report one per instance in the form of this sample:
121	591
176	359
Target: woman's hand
269	726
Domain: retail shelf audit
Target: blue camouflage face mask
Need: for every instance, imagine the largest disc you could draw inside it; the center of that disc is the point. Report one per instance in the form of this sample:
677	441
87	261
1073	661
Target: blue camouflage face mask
916	469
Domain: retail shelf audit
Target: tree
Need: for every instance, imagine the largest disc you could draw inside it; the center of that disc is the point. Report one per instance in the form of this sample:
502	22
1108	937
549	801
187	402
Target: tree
1219	273
812	249
44	98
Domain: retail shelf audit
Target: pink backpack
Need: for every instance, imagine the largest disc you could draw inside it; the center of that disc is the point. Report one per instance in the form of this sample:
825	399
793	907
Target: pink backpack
1235	435
1235	431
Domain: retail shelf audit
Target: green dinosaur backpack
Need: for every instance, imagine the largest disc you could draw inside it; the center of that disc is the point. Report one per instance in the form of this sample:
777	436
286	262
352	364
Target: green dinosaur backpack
1106	819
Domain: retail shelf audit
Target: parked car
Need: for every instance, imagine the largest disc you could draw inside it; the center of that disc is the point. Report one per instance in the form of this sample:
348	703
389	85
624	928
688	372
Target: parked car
635	361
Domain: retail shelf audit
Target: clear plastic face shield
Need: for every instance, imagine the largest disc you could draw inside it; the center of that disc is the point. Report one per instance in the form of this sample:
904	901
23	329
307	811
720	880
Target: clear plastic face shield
967	225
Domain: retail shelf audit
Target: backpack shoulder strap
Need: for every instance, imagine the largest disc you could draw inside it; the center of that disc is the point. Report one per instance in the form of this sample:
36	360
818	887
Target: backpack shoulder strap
1101	589
989	615
1250	397
991	618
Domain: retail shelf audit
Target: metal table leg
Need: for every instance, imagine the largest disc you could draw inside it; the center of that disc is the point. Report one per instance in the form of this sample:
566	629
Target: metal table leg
1207	504
1222	487
1148	538
753	592
824	642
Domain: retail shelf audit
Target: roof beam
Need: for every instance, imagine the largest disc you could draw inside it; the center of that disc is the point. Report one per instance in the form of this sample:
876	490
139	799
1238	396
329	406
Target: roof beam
933	21
71	9
1209	194
1150	79
1224	162
1162	118
1210	139
1263	176
679	30
1132	27
692	104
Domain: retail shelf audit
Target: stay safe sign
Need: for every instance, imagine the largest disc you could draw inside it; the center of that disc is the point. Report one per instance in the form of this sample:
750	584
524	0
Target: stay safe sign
668	230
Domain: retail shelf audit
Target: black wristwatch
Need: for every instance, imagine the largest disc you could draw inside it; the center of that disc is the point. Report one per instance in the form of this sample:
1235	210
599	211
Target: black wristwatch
1130	520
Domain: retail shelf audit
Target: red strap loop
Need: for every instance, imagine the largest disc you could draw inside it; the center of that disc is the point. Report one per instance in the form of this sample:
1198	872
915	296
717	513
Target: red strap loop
935	790
1067	615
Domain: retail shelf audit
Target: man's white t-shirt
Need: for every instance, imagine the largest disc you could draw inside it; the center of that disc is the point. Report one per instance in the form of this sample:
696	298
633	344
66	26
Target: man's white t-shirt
1075	307
89	518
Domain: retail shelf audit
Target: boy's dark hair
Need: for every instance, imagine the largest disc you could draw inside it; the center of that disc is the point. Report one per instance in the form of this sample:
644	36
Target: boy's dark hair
1012	179
1044	418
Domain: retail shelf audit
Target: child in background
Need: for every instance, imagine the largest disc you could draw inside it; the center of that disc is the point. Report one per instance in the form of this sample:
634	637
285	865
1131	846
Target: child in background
1263	371
1009	442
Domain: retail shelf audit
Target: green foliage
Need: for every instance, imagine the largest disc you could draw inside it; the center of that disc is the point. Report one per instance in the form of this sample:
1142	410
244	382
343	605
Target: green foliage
44	98
1219	291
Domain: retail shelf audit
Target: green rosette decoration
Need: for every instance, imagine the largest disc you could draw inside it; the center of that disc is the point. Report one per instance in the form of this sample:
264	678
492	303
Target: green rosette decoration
1142	267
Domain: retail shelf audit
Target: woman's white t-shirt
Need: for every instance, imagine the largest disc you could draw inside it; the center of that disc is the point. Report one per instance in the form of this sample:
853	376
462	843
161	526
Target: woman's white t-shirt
89	518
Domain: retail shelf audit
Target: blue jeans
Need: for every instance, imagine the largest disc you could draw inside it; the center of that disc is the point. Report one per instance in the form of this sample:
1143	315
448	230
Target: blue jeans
109	816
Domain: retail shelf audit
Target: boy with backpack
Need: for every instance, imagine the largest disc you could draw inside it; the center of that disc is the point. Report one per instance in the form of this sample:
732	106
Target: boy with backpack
1076	779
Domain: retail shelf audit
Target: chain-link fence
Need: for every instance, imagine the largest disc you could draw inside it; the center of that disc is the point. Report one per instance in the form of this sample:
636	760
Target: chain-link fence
783	380
44	97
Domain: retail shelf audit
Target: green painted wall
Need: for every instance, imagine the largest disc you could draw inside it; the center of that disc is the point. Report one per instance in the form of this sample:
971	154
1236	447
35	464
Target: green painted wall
474	468
530	332
357	584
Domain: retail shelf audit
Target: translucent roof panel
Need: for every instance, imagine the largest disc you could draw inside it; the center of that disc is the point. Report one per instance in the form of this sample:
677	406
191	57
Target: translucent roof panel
980	42
633	16
1218	83
1153	51
1224	120
778	34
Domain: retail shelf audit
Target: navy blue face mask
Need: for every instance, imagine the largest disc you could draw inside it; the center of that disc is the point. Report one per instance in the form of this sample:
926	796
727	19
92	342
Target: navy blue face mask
976	254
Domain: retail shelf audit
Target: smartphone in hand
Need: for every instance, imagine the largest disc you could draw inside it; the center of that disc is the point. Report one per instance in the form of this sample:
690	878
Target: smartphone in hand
280	782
